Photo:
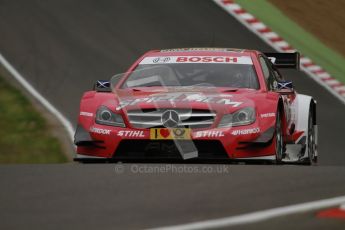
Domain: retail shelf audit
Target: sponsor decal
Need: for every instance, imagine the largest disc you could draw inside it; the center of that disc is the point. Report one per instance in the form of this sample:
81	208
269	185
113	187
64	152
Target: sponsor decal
209	134
159	60
265	115
207	59
179	97
130	133
170	133
245	131
197	59
100	131
86	114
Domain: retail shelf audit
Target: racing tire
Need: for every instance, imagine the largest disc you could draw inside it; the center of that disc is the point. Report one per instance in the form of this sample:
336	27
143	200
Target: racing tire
311	149
279	142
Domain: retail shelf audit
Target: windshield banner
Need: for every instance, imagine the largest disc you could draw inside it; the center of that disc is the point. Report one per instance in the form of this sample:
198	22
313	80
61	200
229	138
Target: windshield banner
197	59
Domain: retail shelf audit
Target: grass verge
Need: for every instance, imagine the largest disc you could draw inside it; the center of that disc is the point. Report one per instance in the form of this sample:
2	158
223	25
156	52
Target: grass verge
306	43
24	135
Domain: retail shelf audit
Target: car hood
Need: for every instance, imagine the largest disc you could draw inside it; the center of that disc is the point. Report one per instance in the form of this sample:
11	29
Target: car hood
210	98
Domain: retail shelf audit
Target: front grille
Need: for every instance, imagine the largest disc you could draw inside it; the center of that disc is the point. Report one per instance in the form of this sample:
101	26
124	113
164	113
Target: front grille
189	118
167	149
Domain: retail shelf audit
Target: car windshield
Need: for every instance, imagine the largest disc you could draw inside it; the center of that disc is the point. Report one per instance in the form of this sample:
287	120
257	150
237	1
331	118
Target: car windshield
193	74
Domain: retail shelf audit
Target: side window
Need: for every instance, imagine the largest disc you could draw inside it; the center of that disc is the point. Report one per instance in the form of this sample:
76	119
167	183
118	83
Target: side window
277	75
265	69
270	74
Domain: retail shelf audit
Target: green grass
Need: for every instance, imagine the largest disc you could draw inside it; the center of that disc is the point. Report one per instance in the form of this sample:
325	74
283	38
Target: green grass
24	134
306	43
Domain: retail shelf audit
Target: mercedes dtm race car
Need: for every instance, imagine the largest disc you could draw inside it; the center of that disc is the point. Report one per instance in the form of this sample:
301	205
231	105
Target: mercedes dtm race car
199	103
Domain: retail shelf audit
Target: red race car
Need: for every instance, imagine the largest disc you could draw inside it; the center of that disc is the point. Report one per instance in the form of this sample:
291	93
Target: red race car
199	103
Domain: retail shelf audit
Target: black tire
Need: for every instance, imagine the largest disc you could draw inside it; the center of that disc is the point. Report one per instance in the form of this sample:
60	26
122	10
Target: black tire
279	142
312	159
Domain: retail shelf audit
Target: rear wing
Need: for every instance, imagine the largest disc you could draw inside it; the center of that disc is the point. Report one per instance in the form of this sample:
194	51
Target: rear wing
285	60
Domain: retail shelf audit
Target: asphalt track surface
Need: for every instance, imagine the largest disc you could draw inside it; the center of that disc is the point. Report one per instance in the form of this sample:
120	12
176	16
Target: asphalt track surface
62	47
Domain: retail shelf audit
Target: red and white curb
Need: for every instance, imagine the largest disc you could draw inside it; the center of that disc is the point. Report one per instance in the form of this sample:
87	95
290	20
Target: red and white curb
338	213
313	70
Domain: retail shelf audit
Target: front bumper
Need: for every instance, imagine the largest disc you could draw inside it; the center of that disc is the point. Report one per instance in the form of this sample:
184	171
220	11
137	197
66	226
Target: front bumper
245	142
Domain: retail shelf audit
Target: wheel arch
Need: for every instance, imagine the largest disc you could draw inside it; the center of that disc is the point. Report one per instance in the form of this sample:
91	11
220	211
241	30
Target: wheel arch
305	105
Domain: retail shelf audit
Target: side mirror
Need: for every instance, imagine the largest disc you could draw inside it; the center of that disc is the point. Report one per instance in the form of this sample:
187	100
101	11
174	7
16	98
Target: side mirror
102	86
285	87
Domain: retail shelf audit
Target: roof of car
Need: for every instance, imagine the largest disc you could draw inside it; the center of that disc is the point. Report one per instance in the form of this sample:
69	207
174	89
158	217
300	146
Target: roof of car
201	51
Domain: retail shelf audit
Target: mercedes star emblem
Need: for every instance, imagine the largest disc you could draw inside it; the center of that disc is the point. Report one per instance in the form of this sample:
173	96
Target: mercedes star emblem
170	119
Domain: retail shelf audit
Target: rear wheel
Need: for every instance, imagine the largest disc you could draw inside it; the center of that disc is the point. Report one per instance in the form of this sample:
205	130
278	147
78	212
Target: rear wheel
311	139
279	139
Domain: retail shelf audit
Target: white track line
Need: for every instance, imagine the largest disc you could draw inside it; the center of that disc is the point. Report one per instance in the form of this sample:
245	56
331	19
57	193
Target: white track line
258	216
265	33
61	118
